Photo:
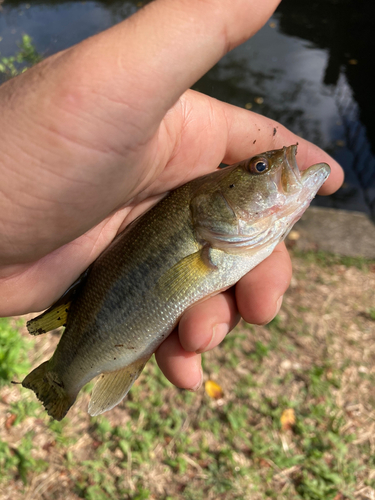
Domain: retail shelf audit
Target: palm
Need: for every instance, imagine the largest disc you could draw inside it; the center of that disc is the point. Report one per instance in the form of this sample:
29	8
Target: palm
176	152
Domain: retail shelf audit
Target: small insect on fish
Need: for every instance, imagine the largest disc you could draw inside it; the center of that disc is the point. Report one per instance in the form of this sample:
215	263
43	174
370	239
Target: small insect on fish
197	241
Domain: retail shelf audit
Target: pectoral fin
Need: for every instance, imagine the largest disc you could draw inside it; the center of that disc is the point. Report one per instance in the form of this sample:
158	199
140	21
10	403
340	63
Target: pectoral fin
57	314
111	387
189	270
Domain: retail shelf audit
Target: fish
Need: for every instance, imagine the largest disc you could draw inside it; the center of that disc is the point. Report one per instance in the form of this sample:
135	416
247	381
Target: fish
196	242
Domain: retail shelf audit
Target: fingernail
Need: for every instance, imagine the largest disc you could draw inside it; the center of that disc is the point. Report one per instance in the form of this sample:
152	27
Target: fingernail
278	306
199	384
218	332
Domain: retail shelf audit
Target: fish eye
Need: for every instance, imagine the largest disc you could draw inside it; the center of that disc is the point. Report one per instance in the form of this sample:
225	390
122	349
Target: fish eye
258	165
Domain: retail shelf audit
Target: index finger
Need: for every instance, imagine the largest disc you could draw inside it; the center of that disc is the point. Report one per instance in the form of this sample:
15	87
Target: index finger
250	132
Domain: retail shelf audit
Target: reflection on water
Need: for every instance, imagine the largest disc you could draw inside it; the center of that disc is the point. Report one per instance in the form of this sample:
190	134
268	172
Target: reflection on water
344	28
56	25
308	68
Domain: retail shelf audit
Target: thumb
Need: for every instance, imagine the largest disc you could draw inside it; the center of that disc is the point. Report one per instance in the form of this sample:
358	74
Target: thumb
147	61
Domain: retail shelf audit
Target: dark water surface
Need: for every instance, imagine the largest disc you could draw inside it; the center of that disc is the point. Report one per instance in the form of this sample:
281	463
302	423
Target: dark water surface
309	68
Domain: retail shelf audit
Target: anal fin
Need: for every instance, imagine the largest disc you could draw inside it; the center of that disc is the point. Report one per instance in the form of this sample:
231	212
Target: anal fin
111	387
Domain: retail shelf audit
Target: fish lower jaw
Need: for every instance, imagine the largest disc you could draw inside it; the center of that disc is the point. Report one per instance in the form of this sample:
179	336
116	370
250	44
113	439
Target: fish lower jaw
293	213
298	204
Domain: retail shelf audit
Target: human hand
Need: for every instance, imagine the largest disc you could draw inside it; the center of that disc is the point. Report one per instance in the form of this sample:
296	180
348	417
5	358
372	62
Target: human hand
93	136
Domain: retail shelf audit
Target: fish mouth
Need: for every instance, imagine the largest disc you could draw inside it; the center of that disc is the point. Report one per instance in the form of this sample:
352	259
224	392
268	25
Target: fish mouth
293	180
299	188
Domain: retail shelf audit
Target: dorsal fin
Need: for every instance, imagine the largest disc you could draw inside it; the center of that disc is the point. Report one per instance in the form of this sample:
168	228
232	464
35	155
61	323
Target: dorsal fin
57	314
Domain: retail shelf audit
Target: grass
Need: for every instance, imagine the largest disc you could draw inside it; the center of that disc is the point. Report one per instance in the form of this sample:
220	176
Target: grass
316	358
18	462
13	352
327	259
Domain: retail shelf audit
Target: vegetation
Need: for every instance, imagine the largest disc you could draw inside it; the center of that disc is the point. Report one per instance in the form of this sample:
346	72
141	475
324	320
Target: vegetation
13	352
25	57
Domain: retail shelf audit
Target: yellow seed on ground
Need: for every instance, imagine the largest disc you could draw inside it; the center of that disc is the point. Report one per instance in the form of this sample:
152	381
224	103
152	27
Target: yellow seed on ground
287	419
213	389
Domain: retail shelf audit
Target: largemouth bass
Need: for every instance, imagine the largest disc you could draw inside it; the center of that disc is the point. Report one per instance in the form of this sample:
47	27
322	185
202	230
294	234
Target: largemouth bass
199	240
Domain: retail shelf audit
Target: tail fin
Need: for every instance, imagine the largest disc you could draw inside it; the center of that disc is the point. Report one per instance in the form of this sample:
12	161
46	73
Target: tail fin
49	389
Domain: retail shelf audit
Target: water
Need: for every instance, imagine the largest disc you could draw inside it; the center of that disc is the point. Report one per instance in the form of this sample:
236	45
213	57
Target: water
308	68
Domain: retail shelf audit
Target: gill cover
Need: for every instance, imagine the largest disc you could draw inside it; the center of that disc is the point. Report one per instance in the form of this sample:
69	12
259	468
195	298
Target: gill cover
233	209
